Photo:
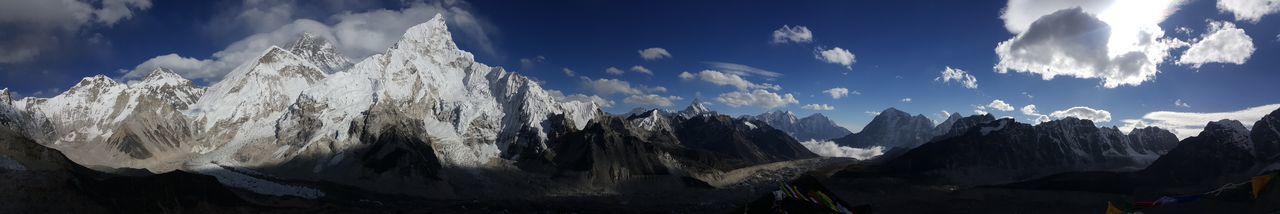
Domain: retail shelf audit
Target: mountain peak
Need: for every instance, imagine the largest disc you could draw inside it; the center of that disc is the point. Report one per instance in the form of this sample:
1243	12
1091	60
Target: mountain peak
6	97
320	52
95	81
696	108
431	35
163	77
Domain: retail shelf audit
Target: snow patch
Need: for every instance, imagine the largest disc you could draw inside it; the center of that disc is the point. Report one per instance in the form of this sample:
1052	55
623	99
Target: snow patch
830	149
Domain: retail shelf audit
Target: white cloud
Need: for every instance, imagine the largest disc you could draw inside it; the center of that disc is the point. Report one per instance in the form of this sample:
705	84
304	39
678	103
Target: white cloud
980	111
1122	45
964	78
872	113
741	70
568	72
1224	43
1179	103
818	107
560	97
1249	10
837	55
34	28
355	35
606	87
837	93
1029	110
641	69
1000	105
651	99
1187	124
728	79
654	53
788	34
1082	112
759	98
830	149
1028	95
686	76
614	71
906	100
1036	117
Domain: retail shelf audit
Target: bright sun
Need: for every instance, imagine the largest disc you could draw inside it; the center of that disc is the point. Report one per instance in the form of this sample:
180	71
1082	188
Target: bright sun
1134	23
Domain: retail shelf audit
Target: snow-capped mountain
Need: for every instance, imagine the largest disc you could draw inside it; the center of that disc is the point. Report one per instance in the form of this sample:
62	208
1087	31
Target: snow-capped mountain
696	108
813	127
421	108
106	123
320	52
1005	150
892	128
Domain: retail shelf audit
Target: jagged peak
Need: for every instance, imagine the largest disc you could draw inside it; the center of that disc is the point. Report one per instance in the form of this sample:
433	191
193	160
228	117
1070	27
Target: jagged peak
817	116
433	35
163	76
96	80
5	96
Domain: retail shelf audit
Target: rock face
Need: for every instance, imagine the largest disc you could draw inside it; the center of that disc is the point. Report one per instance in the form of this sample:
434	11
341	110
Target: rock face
1266	137
1223	148
892	128
611	149
813	127
1005	150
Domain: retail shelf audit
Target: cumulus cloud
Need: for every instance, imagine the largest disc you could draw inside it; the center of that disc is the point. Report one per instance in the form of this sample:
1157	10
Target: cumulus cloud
872	113
906	100
560	97
960	76
1187	124
1223	43
759	98
1000	105
837	93
1082	112
1036	117
568	72
728	79
654	53
641	69
742	70
818	107
836	55
33	28
1122	45
686	76
355	35
606	87
614	71
788	34
651	100
1249	10
830	149
1179	103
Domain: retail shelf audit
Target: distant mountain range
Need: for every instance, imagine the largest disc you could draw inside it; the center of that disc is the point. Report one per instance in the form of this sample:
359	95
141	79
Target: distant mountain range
812	127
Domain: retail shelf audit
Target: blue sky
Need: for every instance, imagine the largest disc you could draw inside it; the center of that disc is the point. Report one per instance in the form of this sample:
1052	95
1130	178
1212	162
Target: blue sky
900	49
